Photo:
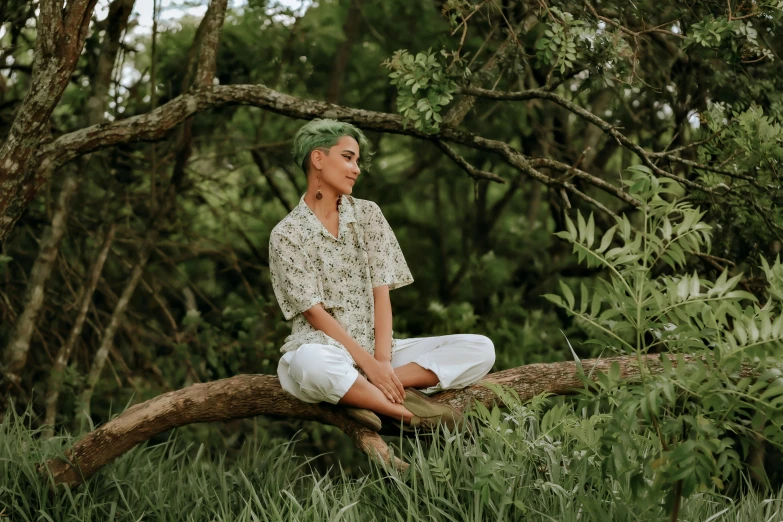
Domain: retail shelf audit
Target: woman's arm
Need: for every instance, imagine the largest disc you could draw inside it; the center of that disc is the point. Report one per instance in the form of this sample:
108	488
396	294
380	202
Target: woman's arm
383	323
321	320
383	336
382	376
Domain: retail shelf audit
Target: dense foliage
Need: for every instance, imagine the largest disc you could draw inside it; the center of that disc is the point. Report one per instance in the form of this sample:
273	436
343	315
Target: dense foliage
706	415
645	137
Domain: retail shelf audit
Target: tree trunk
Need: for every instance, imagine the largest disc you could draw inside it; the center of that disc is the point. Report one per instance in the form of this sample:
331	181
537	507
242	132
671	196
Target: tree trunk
64	353
19	343
251	395
59	43
334	92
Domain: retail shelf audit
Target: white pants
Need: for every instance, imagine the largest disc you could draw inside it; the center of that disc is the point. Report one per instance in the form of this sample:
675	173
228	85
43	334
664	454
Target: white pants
320	372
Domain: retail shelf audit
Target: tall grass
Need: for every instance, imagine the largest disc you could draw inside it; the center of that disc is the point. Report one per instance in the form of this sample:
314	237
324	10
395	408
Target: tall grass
530	462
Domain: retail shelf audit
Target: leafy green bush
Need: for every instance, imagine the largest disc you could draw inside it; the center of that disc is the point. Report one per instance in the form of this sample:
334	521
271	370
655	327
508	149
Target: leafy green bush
689	428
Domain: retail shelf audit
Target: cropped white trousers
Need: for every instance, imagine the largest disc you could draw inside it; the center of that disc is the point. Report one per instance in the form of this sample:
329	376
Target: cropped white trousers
320	372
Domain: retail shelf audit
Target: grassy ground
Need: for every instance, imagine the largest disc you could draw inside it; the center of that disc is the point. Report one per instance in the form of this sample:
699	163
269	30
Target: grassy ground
516	465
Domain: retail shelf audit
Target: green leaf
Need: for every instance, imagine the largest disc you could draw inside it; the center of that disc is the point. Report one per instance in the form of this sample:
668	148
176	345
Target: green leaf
569	295
590	231
583	295
753	330
607	239
582	227
614	372
772	391
626	228
571	228
556	299
573	353
595	305
682	289
666	363
777	327
720	285
642	169
667	229
740	294
694	288
740	333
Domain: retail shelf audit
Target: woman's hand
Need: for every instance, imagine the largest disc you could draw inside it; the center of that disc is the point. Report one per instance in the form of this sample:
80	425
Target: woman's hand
381	374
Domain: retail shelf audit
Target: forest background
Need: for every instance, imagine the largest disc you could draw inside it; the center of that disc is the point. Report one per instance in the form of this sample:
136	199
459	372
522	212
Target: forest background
138	197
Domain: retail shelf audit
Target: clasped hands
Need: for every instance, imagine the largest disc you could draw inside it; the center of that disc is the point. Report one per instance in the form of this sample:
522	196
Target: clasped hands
381	374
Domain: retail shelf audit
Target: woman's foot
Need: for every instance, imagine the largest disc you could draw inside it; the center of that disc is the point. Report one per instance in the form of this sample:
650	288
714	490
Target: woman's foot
364	417
427	414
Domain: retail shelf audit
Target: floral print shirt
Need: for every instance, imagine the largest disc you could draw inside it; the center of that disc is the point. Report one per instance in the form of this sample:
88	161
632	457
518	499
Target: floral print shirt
308	266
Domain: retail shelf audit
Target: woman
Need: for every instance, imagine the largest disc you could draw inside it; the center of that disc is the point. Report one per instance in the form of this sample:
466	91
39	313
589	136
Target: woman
333	260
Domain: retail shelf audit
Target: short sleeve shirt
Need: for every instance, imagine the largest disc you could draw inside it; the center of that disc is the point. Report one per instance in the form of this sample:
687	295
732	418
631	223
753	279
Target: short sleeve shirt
308	266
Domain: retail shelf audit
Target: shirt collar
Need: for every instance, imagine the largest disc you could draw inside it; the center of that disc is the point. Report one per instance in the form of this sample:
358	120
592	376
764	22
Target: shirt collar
347	209
314	226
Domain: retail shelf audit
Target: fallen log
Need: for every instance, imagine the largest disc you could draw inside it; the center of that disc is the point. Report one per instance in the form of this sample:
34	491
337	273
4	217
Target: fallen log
245	396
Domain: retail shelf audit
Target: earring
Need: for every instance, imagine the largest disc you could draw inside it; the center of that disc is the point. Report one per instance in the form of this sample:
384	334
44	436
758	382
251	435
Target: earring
318	194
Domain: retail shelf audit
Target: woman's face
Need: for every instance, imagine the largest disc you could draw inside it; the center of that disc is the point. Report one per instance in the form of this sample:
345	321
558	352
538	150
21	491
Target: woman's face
339	168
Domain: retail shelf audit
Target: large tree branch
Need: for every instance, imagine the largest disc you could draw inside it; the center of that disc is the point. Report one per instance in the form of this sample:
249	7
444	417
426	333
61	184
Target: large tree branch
251	395
202	63
155	124
76	25
213	23
49	26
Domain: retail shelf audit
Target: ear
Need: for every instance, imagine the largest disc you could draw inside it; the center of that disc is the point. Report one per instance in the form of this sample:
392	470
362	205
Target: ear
316	158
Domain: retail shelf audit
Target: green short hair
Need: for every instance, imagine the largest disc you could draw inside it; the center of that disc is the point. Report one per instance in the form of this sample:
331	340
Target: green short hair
325	133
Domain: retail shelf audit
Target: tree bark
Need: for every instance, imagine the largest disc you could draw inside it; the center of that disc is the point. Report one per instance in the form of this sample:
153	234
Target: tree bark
208	47
19	343
251	395
154	125
59	43
200	72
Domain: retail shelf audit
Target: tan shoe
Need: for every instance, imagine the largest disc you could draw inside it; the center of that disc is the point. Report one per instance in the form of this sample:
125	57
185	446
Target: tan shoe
427	414
364	417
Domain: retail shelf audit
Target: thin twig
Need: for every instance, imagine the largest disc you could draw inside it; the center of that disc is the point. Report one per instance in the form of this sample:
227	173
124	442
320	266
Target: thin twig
472	171
608	128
